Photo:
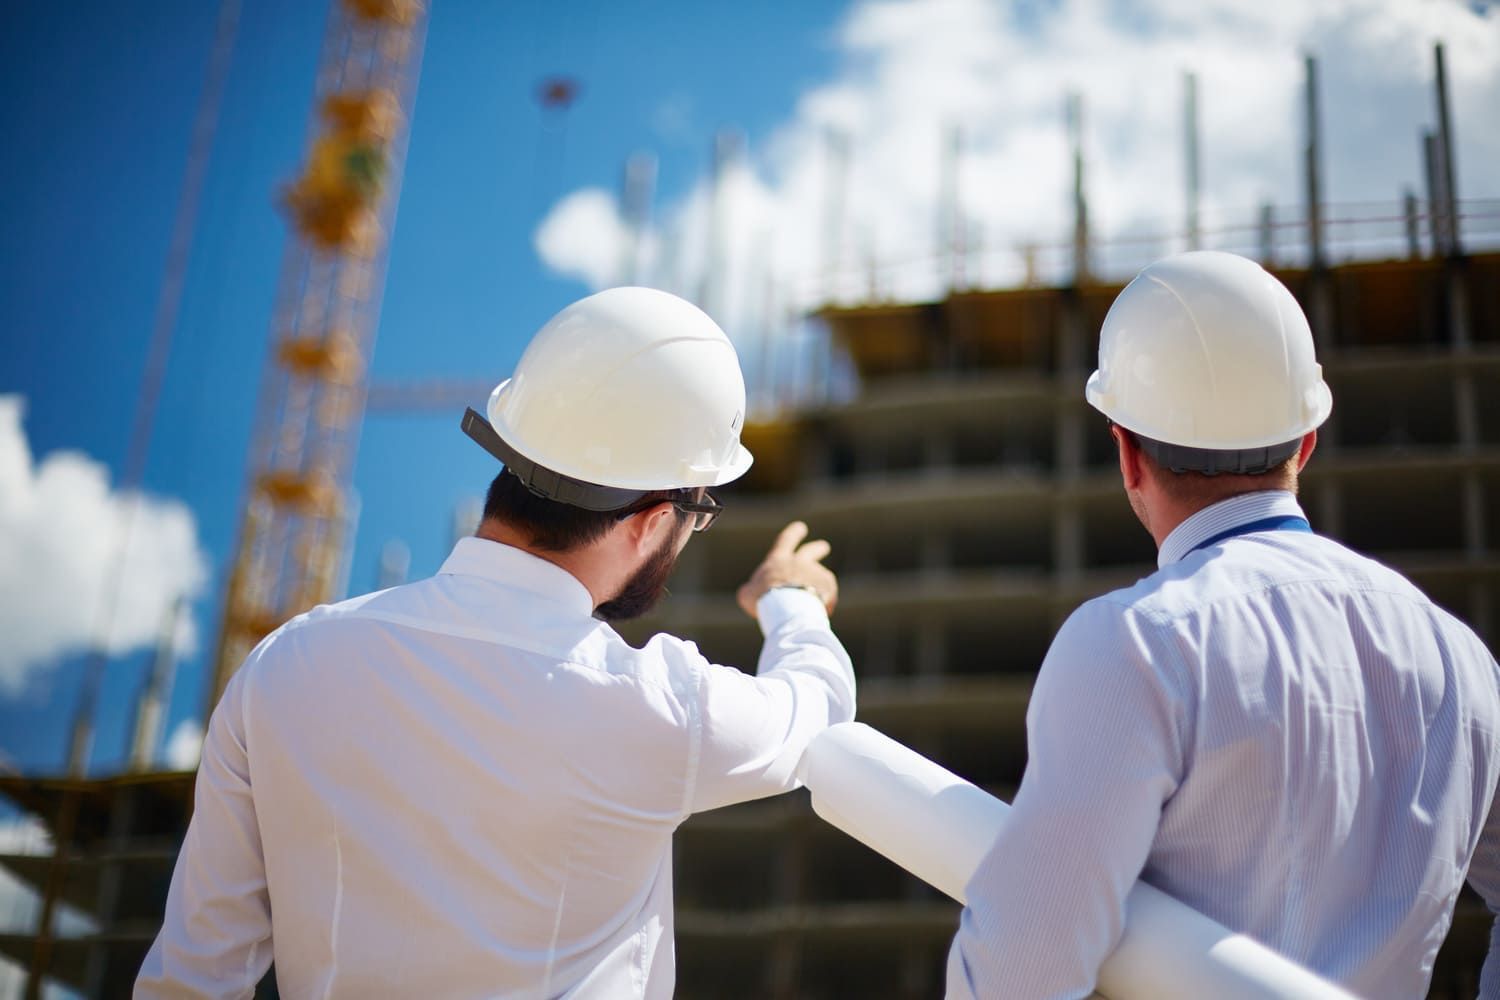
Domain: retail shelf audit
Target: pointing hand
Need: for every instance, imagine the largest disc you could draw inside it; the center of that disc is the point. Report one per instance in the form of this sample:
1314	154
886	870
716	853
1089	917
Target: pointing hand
792	562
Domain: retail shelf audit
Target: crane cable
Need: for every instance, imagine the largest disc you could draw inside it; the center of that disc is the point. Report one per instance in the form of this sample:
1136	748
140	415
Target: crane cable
168	307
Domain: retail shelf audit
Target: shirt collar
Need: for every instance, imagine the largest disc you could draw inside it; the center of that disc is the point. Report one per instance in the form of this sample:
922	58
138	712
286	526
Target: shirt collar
520	569
1222	516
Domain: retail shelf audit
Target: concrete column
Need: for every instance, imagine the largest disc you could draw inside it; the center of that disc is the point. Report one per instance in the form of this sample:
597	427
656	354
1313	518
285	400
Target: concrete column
1465	408
816	456
914	972
932	647
937	550
1413	226
1320	314
1476	544
111	875
1466	420
1067	541
785	966
937	449
1267	233
1480	615
860	560
1329	513
1449	153
1069	426
1456	287
880	650
869	456
789	886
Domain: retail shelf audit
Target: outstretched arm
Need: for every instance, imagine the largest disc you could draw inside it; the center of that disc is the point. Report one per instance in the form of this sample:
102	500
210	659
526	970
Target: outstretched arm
754	728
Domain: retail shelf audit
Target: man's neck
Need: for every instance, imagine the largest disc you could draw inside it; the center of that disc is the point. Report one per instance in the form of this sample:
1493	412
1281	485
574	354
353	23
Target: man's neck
1173	518
1169	516
1166	511
576	562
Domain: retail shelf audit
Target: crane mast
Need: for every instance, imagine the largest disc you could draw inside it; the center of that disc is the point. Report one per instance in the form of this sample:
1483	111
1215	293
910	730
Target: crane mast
311	403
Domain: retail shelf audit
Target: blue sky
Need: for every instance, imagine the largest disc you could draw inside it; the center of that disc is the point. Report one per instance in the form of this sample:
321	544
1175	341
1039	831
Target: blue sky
503	221
98	103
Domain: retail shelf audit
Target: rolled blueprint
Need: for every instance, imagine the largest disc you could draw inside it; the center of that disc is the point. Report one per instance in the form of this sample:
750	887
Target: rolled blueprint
939	827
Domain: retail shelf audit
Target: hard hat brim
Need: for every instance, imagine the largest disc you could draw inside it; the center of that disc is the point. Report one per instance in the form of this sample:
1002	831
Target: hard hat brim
736	467
1317	410
544	482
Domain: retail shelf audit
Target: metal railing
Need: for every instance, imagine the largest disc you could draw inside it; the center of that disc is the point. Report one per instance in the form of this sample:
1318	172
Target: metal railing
1279	237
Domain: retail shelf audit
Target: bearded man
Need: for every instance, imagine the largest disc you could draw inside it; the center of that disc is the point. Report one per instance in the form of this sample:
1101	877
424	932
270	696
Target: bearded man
468	786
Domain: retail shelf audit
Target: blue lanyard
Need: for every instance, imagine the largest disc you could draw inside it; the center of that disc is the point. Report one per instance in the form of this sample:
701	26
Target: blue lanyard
1284	522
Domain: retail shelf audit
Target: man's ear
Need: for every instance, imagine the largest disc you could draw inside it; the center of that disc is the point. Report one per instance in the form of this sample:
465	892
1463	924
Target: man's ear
1309	445
1132	469
645	530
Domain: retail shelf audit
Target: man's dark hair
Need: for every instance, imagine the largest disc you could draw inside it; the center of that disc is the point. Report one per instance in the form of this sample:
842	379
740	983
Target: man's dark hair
552	526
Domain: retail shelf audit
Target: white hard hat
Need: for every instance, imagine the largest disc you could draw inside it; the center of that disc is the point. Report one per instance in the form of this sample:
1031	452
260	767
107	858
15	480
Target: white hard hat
627	391
1209	359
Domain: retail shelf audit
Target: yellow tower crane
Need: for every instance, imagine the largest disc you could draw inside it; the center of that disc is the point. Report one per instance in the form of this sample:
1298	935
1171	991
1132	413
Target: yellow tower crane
312	395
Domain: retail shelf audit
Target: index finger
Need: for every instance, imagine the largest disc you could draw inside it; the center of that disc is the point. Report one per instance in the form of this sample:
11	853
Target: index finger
816	551
791	536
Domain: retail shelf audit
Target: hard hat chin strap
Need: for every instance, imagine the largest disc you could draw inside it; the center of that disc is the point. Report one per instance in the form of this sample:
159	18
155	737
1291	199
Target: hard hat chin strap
1213	462
542	481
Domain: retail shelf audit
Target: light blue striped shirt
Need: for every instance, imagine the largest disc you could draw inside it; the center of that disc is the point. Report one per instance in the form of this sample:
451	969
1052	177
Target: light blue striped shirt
1285	735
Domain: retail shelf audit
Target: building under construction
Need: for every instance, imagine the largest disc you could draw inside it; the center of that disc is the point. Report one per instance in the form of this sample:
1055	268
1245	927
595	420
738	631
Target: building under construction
972	500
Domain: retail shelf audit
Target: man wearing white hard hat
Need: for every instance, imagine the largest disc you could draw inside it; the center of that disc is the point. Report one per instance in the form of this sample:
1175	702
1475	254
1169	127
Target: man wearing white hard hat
1282	734
468	786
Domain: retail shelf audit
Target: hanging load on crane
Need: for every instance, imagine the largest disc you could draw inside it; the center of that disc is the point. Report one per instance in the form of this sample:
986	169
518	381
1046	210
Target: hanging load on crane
400	12
334	203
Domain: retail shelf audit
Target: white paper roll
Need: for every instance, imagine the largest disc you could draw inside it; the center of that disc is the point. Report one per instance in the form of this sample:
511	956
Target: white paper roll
939	827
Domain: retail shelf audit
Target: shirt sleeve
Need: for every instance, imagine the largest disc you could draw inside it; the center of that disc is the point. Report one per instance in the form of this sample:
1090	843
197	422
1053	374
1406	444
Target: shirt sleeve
1104	737
1484	877
754	729
214	940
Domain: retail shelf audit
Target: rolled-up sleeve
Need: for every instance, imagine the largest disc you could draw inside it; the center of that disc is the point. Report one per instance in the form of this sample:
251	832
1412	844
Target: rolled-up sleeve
215	938
754	729
1104	738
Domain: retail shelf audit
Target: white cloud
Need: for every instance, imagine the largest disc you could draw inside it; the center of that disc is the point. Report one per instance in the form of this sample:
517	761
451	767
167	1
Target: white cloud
24	834
911	69
60	527
184	746
19	904
585	237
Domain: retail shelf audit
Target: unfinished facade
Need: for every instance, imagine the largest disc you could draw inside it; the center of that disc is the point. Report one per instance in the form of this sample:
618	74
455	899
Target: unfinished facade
973	500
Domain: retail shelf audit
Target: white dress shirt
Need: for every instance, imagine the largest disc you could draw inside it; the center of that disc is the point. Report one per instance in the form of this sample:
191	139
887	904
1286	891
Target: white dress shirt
1282	734
467	787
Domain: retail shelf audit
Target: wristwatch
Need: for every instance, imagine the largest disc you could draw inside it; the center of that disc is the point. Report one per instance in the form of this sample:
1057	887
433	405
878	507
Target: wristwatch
799	586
